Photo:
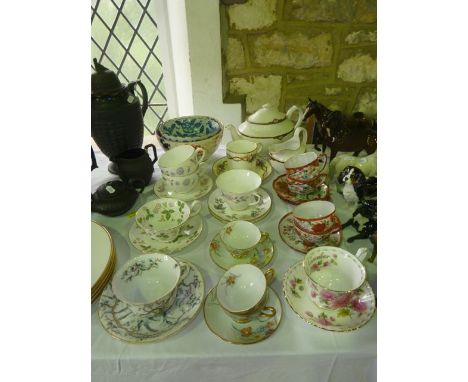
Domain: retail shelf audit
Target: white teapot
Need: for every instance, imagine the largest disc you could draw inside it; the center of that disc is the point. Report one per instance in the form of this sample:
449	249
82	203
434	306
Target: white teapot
267	126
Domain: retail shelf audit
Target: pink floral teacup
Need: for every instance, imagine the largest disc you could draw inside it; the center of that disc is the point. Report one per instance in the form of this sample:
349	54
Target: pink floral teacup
334	276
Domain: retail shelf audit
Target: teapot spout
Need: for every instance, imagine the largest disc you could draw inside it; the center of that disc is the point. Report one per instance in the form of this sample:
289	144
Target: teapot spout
234	134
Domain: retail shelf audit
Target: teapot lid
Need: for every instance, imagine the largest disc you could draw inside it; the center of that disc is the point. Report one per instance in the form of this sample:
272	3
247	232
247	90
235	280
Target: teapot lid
267	114
104	81
113	198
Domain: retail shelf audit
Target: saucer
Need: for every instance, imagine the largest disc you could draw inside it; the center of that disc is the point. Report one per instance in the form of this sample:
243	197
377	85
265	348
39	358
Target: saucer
322	192
144	243
221	210
225	328
292	239
351	317
120	322
205	185
262	168
262	254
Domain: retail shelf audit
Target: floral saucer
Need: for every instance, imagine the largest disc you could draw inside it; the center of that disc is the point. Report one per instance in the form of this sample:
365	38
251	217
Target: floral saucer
350	317
120	322
205	186
244	334
262	168
322	192
292	239
262	254
221	210
188	233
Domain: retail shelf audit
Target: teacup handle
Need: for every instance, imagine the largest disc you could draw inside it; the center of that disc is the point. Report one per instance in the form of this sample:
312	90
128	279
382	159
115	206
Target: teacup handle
195	208
322	155
200	154
259	148
300	117
155	154
269	275
184	271
264	236
257	199
361	254
268	311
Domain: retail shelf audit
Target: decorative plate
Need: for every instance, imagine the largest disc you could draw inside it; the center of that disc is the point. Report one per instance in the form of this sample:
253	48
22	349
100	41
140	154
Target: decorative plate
351	317
322	192
262	254
263	167
205	186
98	288
188	233
102	248
225	328
221	210
189	129
291	238
120	322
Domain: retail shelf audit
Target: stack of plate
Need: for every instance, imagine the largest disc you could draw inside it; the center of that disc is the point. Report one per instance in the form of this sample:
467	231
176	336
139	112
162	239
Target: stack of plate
102	259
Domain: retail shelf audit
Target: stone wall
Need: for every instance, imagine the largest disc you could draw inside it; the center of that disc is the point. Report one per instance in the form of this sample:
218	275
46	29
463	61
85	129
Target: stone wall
283	51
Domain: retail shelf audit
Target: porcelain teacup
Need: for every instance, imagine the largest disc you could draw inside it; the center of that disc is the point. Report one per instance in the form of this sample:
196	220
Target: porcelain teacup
181	160
334	275
181	184
305	166
239	188
242	154
242	293
309	238
162	218
304	187
241	237
148	283
316	217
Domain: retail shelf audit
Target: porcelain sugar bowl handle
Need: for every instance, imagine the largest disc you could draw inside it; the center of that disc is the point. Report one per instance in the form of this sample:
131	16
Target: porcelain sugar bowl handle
300	117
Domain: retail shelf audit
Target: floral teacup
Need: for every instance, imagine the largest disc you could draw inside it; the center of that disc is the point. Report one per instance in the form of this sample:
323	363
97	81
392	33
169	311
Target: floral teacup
162	218
181	184
311	239
242	293
304	187
181	160
316	217
240	237
334	275
239	188
242	154
148	283
305	166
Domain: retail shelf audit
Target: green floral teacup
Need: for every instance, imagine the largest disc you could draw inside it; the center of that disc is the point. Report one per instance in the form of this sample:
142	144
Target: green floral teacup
148	283
242	293
162	218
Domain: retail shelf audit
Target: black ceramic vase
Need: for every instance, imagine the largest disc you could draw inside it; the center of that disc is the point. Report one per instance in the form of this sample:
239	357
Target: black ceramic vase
135	166
116	112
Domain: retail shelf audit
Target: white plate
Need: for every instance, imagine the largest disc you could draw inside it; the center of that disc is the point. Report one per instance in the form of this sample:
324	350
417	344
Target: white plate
101	250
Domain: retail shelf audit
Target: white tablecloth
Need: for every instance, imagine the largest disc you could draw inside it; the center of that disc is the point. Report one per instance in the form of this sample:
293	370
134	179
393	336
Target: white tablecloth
296	352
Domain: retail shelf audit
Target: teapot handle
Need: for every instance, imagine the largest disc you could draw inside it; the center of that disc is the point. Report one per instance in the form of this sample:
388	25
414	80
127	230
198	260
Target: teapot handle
93	160
131	89
300	117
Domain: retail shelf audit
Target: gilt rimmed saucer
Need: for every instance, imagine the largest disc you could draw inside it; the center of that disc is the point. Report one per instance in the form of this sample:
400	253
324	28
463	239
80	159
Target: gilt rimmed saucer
222	326
203	188
321	192
219	208
291	238
260	256
189	232
350	317
120	322
262	167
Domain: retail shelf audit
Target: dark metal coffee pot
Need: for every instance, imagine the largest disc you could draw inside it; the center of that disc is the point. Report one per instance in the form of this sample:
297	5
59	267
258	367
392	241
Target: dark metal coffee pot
116	112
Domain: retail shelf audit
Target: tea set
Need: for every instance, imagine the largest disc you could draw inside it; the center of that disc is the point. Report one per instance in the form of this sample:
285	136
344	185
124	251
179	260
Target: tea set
155	295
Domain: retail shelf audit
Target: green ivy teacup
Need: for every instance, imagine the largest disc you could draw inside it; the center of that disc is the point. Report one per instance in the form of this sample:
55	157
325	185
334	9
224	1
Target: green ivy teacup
242	293
148	283
334	275
239	188
162	218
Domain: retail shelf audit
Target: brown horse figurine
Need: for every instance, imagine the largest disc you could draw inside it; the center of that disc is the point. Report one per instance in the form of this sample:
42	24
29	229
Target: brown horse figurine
341	133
